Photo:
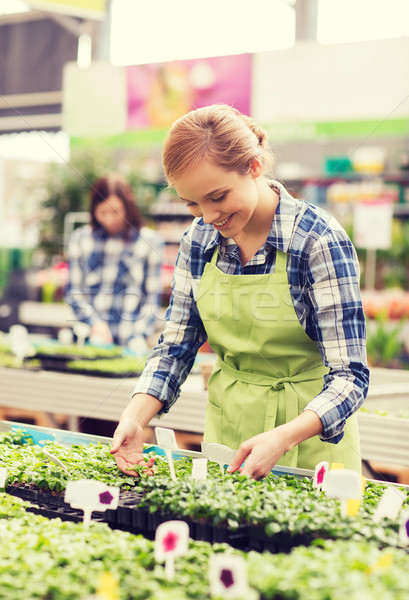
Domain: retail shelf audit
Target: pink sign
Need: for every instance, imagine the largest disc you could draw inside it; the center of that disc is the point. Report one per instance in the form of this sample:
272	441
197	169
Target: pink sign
160	93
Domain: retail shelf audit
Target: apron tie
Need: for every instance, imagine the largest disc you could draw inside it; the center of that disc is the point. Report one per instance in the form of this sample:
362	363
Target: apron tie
275	386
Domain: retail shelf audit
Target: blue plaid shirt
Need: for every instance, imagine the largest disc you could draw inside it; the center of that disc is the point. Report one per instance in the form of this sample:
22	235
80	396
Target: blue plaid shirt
115	280
323	275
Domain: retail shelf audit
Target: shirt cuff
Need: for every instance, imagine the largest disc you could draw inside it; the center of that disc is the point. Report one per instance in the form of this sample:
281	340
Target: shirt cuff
330	416
162	387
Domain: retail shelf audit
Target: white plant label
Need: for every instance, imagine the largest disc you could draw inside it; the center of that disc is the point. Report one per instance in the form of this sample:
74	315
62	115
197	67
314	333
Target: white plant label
404	528
223	455
228	576
65	336
82	331
171	541
389	505
320	471
199	468
89	495
166	439
3	477
345	485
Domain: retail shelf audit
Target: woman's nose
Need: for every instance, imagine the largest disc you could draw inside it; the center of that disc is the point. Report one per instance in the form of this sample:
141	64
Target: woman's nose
209	215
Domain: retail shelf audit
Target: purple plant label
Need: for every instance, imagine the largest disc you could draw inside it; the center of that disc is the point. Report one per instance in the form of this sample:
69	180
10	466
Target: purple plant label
106	498
228	576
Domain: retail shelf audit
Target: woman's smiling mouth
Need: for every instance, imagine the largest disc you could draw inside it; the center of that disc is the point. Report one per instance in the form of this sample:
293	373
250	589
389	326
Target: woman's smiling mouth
222	224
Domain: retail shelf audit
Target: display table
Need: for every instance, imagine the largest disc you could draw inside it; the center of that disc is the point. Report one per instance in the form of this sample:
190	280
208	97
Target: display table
95	397
383	439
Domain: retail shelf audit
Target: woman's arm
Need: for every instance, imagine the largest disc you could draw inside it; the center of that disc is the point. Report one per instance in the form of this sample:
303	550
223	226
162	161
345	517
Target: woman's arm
75	295
337	323
166	368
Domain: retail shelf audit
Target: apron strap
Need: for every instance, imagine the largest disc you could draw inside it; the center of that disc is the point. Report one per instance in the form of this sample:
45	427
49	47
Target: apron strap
281	261
215	256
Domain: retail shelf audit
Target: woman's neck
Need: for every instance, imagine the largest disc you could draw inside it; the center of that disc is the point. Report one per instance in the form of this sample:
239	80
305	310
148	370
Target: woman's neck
255	234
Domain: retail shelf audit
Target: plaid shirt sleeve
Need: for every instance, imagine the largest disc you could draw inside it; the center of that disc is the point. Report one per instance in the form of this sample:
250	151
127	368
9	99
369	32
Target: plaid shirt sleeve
74	293
337	323
172	359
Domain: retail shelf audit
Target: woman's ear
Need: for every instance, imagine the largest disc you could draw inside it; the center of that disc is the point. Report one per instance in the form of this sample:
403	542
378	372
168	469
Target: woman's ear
256	168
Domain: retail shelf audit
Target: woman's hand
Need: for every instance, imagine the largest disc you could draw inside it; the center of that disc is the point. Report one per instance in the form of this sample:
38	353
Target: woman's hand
261	452
127	448
100	333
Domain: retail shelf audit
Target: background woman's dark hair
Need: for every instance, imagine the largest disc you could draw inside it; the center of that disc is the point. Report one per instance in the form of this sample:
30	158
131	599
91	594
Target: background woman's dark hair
115	185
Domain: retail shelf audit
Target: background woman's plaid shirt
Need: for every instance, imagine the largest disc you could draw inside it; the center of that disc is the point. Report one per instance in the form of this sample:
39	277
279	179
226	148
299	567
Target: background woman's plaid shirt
115	281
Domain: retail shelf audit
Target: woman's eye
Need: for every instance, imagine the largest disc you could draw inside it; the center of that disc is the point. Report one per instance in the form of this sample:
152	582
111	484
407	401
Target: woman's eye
191	204
219	199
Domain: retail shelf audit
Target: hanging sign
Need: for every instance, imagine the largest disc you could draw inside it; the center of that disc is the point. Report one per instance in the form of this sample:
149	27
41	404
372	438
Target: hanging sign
171	541
389	505
223	455
228	576
89	495
372	223
166	439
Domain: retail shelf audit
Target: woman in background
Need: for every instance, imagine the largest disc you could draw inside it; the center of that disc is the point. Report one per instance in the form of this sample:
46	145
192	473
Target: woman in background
114	268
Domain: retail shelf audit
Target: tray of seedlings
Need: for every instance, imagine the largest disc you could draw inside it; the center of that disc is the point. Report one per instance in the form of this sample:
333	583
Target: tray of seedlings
49	558
278	513
112	361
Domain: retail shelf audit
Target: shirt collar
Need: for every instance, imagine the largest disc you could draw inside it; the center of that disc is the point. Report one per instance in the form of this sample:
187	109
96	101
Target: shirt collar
282	226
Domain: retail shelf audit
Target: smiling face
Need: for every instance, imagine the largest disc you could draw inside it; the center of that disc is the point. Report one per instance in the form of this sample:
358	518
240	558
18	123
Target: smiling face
223	198
111	215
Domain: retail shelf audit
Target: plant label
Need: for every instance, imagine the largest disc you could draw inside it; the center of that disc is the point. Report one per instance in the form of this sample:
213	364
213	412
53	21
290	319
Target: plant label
82	331
404	528
319	474
383	563
389	505
165	438
3	477
108	587
171	540
89	495
223	455
346	485
55	460
228	576
343	484
65	336
199	468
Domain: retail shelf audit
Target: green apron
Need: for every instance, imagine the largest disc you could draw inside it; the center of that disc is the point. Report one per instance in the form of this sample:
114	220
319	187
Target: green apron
267	368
